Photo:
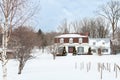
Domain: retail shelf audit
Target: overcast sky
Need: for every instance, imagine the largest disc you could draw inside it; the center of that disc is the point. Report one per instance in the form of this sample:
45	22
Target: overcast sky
53	12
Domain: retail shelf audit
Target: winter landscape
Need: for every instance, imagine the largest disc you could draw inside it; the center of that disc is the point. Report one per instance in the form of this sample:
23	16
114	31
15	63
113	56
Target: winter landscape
80	67
59	39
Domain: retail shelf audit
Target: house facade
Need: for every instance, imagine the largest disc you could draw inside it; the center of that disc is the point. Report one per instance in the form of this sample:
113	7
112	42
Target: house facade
82	42
102	44
69	41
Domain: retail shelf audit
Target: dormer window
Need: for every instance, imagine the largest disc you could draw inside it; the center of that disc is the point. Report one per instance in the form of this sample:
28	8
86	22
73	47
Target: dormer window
71	40
61	40
80	40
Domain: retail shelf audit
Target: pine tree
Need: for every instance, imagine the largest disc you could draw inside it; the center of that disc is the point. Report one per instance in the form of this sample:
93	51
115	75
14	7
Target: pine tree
64	53
41	39
89	51
40	32
74	51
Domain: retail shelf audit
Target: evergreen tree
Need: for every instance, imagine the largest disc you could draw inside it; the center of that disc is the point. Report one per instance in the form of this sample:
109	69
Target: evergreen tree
40	32
64	53
89	51
41	39
74	51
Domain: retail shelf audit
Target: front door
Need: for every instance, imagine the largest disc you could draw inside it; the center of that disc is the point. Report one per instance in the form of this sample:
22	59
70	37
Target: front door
70	49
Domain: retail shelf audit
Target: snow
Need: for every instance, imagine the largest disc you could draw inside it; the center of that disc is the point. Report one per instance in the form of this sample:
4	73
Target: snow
70	36
69	67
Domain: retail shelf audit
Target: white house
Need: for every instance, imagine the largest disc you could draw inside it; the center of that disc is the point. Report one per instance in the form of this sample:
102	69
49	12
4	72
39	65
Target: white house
100	43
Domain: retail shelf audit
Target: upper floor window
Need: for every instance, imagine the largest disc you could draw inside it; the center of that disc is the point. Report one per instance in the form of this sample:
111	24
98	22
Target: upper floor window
61	40
80	40
71	40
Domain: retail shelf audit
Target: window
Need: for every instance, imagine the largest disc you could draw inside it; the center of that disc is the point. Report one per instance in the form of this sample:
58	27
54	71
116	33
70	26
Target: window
71	40
80	40
61	40
93	50
104	50
80	50
60	49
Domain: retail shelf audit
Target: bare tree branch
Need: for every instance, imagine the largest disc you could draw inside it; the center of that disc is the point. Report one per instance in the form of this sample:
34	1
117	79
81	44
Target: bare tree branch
111	11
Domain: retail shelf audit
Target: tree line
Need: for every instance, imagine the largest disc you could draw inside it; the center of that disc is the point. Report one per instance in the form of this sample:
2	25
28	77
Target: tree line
96	27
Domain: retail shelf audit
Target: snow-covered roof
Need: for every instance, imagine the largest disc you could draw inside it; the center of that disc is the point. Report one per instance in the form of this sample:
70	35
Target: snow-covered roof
70	36
99	42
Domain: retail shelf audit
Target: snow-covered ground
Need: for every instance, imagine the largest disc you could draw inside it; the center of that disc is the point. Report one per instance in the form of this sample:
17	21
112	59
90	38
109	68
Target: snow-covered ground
80	67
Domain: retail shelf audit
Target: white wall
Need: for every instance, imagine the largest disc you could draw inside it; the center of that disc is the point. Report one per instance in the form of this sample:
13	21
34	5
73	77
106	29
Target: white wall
85	45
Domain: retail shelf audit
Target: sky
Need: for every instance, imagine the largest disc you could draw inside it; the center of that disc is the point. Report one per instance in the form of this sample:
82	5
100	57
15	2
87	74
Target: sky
54	12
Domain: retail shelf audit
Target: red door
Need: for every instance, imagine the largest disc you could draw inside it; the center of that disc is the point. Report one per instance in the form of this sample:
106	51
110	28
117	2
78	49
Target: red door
70	49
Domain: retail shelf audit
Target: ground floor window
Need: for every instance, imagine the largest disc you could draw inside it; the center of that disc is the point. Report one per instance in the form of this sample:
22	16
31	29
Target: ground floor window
60	49
80	50
94	50
104	50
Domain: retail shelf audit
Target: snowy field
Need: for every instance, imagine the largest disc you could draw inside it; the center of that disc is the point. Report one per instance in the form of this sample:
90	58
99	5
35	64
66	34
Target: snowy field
80	67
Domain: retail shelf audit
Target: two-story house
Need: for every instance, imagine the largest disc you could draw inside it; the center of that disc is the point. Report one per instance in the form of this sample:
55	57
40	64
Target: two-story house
69	41
82	42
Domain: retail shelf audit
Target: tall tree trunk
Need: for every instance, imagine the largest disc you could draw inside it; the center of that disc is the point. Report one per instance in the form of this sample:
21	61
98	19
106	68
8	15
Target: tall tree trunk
4	46
4	55
113	29
4	68
4	65
21	65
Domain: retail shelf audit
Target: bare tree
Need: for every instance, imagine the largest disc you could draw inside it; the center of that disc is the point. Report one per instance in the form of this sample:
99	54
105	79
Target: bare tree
96	27
118	34
12	13
0	36
53	50
93	28
8	10
76	26
41	40
50	37
23	41
84	25
64	27
116	43
111	11
102	28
